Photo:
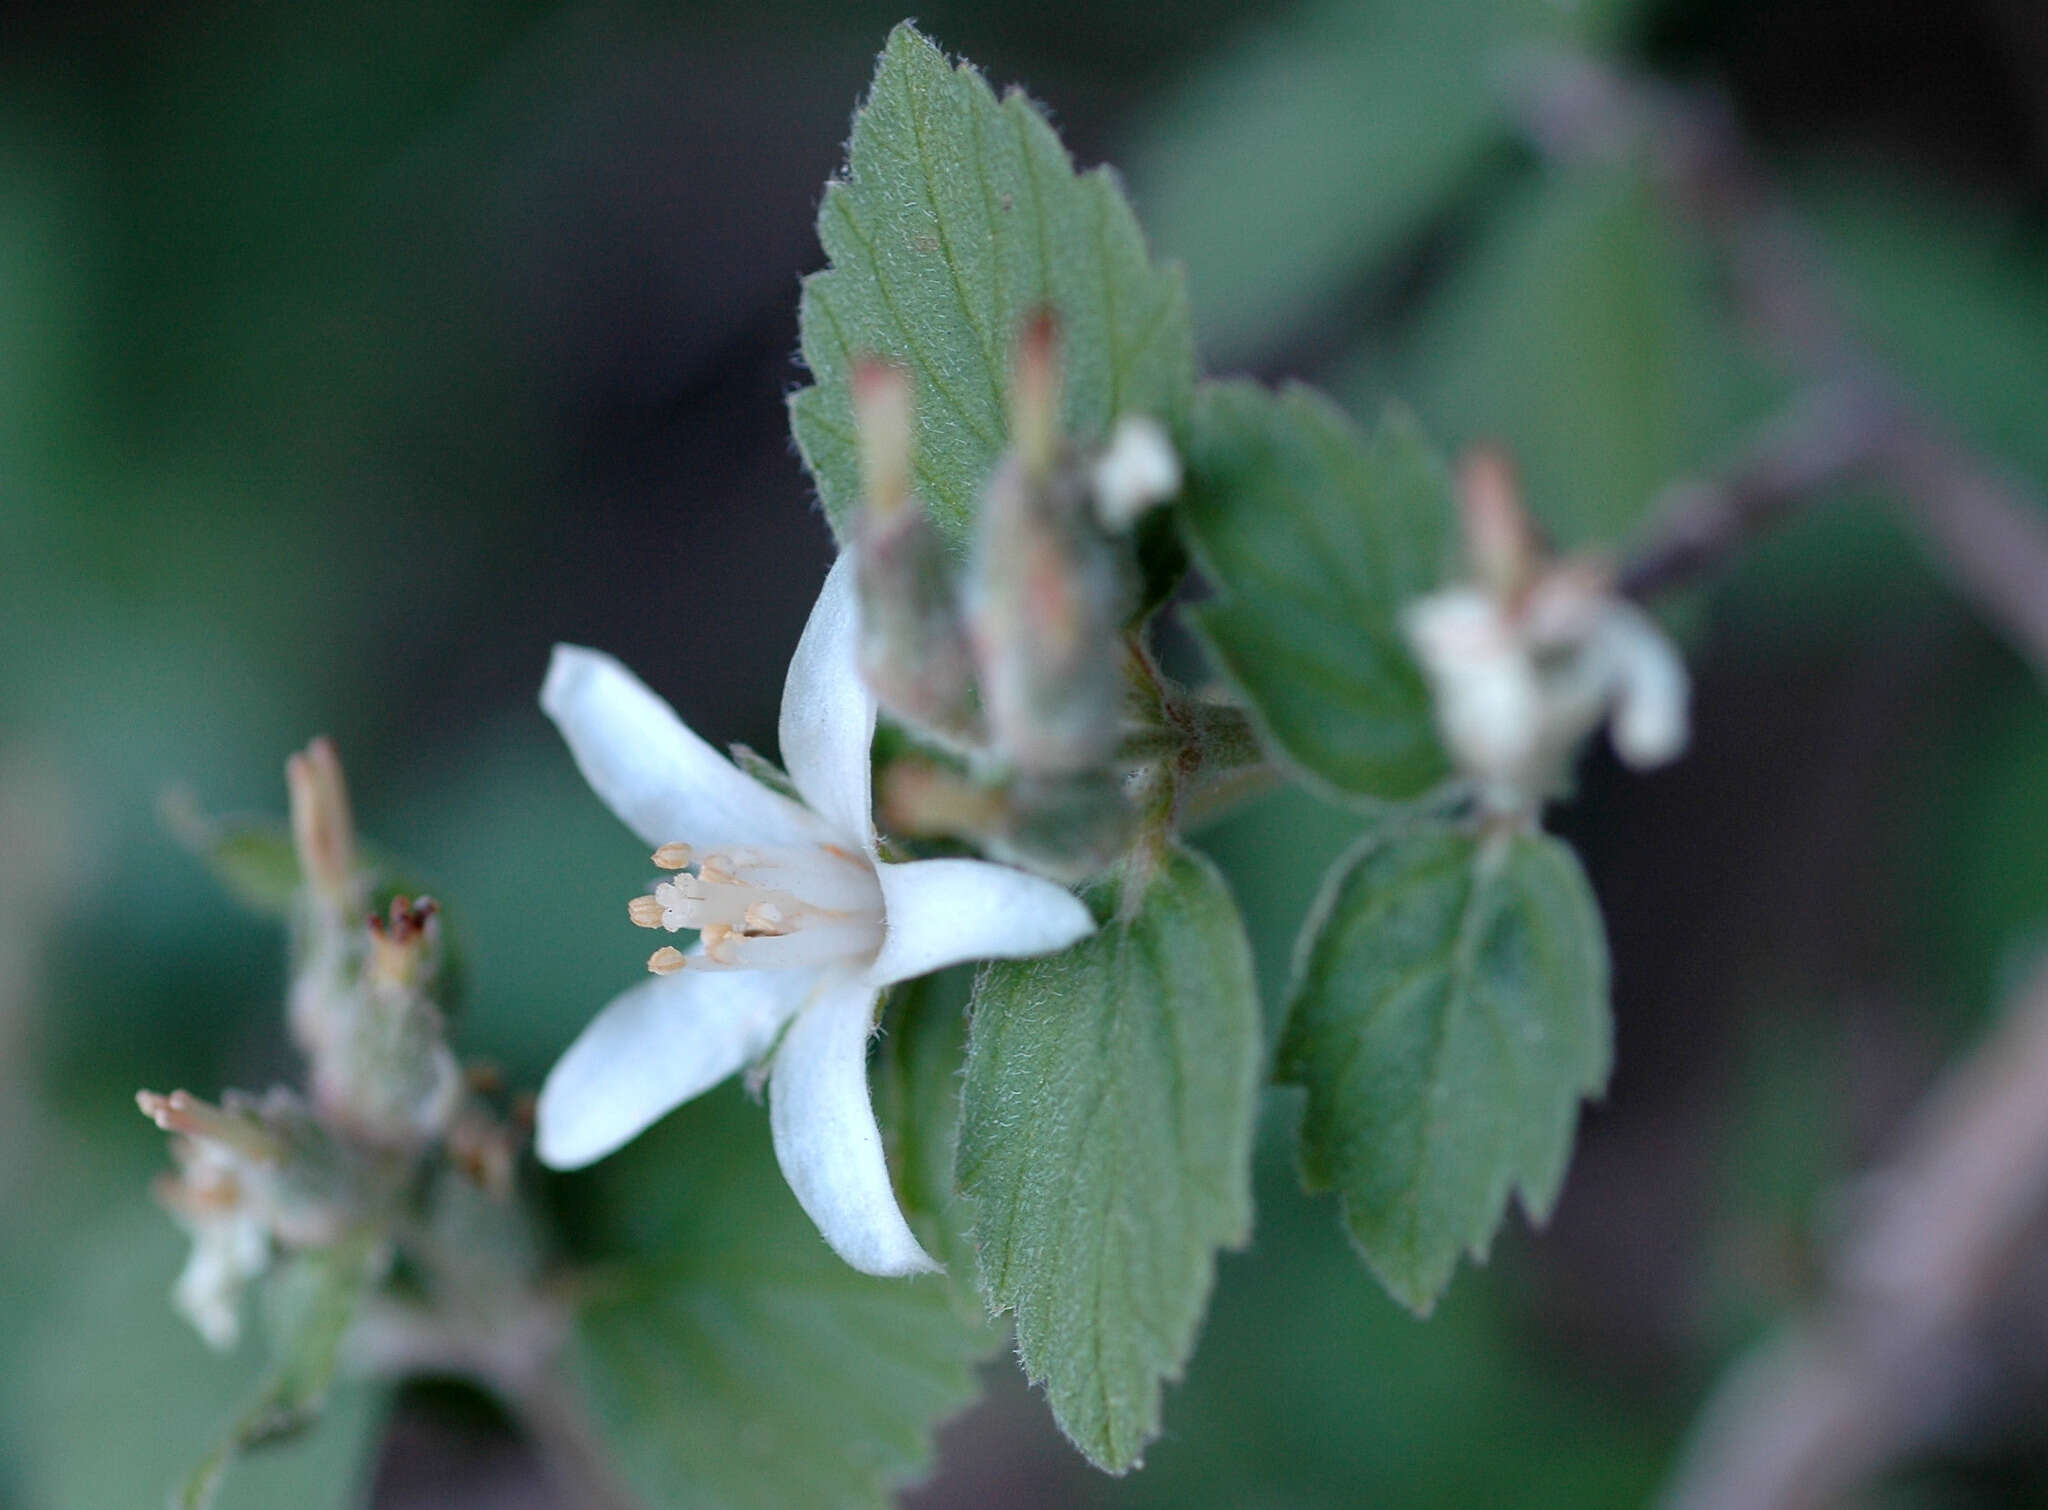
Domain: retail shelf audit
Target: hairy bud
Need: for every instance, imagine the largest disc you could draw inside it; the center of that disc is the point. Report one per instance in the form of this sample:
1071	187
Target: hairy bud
1047	591
913	645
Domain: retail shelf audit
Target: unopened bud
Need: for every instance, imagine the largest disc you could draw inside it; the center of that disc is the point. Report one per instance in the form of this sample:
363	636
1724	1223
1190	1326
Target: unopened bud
1501	543
404	945
323	831
913	650
187	1115
923	800
1047	597
883	415
1137	470
381	1066
1035	396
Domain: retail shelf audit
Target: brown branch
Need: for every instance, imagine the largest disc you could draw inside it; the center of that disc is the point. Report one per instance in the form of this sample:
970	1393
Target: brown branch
1852	416
1858	1384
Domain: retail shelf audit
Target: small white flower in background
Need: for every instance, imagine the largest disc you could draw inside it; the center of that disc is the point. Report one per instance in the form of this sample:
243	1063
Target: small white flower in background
801	929
1137	470
221	1196
1535	656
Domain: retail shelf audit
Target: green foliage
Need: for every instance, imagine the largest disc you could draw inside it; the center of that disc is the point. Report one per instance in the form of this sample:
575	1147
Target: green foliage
1315	538
1106	1146
1292	167
733	1360
959	216
1449	1011
1952	293
310	1304
252	858
1585	333
112	1393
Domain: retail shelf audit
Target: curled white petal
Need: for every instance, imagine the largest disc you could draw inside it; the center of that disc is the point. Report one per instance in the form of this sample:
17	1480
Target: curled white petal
1651	690
657	1045
828	714
942	912
1489	705
825	1134
661	779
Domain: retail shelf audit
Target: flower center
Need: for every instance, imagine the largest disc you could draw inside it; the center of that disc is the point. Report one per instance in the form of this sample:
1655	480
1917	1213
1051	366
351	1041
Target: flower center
765	909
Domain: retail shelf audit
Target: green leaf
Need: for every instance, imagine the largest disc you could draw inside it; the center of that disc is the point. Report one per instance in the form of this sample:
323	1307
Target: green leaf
310	1305
1315	538
734	1361
1585	332
252	858
1951	292
1290	169
1449	1011
108	1394
1106	1146
959	216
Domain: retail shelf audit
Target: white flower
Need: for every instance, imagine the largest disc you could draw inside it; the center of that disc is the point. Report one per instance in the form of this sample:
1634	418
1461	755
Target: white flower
1519	682
802	928
1138	470
221	1197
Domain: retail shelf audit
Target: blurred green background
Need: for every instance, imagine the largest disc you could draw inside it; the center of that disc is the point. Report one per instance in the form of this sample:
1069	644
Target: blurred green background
351	353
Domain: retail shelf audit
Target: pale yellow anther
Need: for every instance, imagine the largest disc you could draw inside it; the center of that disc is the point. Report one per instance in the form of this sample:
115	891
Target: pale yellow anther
717	869
672	856
719	939
665	961
646	911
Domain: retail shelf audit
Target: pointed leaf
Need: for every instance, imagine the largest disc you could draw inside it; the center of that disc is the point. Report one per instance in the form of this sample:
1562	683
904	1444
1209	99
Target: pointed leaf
959	216
1315	538
1106	1146
1449	1011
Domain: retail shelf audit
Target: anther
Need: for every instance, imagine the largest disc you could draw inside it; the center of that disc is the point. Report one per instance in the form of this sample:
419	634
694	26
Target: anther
665	961
672	856
646	911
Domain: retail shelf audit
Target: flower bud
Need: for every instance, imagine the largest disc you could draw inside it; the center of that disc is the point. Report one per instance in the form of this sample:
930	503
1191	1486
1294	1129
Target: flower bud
913	645
384	1072
323	831
1047	591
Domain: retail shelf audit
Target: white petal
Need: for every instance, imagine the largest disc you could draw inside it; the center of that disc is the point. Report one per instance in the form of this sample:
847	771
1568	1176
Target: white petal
825	1133
663	781
828	714
657	1045
1650	724
940	912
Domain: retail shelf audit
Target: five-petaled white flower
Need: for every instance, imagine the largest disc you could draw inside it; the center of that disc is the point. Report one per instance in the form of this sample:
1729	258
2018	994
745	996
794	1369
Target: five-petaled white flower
801	926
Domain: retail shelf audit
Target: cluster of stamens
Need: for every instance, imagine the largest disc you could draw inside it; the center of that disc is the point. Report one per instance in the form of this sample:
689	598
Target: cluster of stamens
764	909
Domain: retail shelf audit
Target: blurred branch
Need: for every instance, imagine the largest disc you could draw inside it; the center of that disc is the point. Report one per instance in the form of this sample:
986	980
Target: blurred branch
1865	1378
514	1358
1853	418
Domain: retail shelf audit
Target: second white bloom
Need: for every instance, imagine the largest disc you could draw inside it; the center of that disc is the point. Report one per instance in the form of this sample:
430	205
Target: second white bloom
801	927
